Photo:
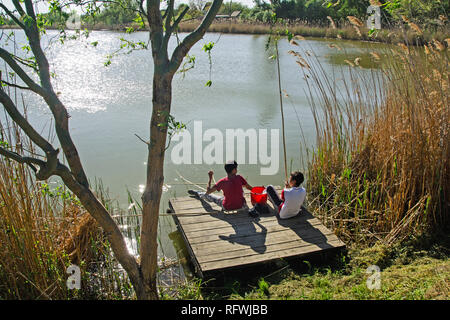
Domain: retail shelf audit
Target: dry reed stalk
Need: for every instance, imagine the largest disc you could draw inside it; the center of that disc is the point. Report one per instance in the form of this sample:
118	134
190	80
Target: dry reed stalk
333	25
382	160
29	243
36	224
355	21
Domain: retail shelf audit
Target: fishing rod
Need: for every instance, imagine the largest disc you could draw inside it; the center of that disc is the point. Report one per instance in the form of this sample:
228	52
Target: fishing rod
282	110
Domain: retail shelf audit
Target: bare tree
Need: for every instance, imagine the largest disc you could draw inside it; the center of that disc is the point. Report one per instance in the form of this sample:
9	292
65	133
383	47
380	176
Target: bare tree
161	25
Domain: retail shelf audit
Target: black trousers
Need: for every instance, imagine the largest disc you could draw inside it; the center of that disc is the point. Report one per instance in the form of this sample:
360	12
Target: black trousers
272	193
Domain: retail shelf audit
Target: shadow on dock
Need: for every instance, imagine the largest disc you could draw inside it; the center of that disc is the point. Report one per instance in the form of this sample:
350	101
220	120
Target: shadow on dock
241	229
315	236
219	241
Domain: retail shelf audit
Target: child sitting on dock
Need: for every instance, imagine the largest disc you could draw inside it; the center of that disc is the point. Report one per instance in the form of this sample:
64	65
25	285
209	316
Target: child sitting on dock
292	197
231	185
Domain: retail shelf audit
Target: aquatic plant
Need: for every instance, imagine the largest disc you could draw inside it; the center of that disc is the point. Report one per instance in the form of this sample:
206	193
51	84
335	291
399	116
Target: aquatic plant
380	170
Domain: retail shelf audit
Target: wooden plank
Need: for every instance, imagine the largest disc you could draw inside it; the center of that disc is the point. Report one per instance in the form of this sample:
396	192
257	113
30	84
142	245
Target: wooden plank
208	235
273	233
218	240
198	269
251	254
242	261
194	205
216	226
257	247
196	219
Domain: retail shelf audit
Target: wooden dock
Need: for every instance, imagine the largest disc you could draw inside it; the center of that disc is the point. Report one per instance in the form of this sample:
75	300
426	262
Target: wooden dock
218	240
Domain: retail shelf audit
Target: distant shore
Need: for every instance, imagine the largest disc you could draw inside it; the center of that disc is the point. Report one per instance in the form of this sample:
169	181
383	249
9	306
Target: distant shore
345	33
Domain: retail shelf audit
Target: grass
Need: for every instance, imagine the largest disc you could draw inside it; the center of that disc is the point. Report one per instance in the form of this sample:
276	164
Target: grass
413	270
43	232
424	278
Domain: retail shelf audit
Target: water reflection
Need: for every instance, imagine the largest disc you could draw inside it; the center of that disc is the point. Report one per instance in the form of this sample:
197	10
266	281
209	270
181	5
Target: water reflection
109	105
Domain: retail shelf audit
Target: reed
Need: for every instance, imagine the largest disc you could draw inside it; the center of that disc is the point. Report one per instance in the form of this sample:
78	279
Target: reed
381	167
43	231
348	30
32	263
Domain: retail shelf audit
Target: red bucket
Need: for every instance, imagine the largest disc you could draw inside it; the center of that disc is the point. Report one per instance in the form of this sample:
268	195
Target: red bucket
258	196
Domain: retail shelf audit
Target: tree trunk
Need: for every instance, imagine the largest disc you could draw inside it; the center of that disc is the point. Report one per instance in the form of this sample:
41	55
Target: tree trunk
162	97
142	275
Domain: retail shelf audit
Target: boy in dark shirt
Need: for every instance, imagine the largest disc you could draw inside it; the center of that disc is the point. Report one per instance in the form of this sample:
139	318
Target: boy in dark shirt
231	186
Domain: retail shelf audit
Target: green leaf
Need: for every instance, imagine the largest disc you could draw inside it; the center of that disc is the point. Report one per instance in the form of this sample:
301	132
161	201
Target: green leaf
208	83
371	32
207	47
289	35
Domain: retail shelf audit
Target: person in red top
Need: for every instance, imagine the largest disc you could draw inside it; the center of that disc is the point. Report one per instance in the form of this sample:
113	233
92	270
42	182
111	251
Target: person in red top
231	186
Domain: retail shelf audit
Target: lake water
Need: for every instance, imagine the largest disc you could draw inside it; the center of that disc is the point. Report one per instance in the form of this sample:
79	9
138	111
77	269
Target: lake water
109	106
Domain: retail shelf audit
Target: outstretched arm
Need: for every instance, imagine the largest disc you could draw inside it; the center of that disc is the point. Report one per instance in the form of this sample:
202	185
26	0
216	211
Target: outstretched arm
249	187
208	188
211	190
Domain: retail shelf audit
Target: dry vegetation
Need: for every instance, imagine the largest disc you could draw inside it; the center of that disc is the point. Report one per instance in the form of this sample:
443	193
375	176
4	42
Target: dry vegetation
380	173
347	31
43	231
381	169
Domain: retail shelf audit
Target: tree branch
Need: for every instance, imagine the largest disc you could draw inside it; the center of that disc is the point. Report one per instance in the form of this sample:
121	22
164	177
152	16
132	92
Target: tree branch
141	7
183	48
18	158
8	58
171	28
18	7
23	123
13	85
169	14
12	16
58	109
75	178
180	17
24	62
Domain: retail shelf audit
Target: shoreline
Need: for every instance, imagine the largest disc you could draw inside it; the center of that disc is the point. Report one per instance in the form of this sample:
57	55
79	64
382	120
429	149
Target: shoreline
388	36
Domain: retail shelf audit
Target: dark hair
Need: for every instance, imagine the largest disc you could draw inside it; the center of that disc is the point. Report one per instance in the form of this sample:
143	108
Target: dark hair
230	166
298	177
